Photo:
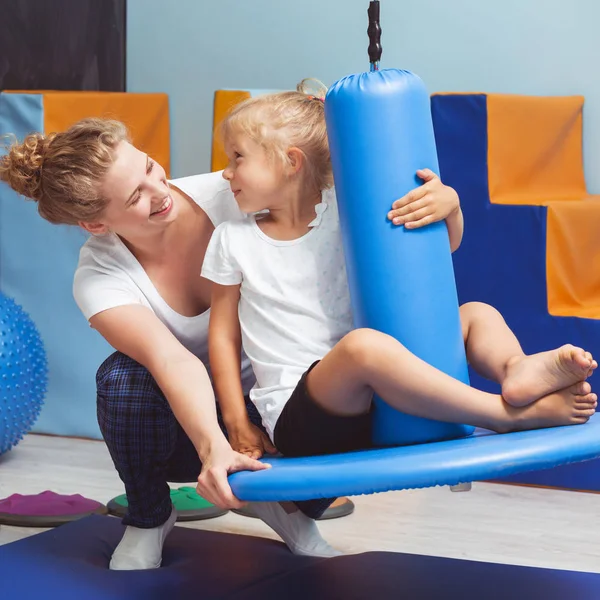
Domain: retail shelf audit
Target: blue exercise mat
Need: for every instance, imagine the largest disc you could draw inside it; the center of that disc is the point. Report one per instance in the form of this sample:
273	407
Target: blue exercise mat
71	563
484	455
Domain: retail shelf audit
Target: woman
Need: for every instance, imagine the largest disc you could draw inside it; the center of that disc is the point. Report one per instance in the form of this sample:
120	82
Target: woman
138	283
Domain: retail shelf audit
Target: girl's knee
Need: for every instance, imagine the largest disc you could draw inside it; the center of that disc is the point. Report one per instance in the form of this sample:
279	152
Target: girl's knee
360	345
477	310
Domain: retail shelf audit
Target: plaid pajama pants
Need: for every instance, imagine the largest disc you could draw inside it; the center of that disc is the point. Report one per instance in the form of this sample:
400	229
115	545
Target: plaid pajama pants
147	444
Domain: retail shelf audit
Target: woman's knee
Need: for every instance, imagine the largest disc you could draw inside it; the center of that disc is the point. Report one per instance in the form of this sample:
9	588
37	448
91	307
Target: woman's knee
121	371
120	382
114	367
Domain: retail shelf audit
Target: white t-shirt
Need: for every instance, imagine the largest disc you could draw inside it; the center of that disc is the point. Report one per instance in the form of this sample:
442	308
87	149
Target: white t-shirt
109	275
294	299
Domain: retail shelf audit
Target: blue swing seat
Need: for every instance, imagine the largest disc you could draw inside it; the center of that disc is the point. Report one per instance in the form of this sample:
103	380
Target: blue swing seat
483	455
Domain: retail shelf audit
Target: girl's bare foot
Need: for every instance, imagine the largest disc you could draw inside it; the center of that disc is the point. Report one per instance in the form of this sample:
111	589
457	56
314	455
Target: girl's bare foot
593	365
529	378
571	406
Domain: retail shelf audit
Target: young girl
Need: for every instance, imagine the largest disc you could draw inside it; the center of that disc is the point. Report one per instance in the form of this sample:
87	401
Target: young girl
281	291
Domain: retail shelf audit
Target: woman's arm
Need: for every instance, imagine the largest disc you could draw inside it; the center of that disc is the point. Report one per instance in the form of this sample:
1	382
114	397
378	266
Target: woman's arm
137	332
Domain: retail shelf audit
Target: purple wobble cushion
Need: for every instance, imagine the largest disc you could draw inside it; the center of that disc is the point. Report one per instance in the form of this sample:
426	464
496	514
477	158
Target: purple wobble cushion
46	509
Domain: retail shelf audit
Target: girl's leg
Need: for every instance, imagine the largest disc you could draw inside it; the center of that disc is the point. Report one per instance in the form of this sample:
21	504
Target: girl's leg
313	509
495	353
366	361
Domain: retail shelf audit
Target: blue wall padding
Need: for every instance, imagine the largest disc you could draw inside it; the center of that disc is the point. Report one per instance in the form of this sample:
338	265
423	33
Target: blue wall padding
502	259
401	281
37	263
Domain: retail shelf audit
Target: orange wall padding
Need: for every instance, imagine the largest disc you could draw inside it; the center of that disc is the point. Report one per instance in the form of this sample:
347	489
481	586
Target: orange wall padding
146	116
224	101
535	157
535	152
573	258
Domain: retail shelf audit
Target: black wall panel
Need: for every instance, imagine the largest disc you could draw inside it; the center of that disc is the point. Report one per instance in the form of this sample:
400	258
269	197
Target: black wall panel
62	45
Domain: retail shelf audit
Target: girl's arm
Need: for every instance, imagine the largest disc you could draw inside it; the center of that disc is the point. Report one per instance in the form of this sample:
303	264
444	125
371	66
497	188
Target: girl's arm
456	226
225	347
431	202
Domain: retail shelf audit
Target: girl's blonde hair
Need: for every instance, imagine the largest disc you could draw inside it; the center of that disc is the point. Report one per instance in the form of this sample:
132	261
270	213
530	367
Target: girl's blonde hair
280	121
63	172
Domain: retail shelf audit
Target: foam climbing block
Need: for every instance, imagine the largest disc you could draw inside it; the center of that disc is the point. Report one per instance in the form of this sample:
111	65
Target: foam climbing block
529	249
71	562
535	157
38	260
535	148
573	259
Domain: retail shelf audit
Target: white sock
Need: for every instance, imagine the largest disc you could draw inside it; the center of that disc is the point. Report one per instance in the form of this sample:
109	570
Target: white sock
298	531
142	548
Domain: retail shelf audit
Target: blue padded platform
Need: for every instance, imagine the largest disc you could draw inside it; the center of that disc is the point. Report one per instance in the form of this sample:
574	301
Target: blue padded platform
484	455
71	563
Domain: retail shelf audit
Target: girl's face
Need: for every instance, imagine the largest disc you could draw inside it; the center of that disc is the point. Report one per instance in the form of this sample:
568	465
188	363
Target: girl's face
256	179
140	203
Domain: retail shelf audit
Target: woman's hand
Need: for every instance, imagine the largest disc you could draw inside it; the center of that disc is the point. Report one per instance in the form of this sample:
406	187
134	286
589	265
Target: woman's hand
216	465
248	439
431	202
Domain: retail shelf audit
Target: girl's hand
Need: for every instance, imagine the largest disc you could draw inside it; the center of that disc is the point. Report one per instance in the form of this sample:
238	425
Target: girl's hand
248	439
431	202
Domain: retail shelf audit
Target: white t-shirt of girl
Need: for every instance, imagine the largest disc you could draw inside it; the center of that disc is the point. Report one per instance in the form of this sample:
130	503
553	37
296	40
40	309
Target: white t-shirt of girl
108	274
294	299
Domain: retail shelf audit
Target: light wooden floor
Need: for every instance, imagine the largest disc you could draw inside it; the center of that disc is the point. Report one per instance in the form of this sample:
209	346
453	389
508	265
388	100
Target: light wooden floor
494	523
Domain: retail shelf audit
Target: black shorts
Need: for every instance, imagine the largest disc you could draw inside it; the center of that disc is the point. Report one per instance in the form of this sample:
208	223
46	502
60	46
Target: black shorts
305	428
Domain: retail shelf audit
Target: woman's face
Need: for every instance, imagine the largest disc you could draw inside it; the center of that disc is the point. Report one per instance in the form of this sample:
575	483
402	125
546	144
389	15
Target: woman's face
139	199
